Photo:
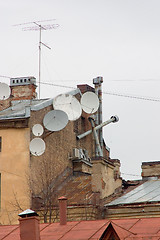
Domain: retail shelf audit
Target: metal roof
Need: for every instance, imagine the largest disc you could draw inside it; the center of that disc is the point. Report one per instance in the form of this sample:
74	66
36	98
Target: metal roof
135	228
22	108
147	192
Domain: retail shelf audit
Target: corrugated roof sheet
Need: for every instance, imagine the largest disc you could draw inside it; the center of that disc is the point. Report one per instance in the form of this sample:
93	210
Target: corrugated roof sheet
147	192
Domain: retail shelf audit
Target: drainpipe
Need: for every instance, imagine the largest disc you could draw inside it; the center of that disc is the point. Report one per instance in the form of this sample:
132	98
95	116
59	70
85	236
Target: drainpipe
63	210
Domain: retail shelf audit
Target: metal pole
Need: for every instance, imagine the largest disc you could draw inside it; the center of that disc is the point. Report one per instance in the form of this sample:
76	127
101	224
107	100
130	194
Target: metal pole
40	29
96	115
100	112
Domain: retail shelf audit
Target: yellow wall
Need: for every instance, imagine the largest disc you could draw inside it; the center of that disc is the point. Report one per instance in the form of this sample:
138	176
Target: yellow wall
14	162
103	178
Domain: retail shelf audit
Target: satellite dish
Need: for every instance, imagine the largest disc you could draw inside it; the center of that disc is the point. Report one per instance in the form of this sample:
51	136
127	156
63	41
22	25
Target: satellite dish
69	104
37	146
89	102
37	130
4	91
55	120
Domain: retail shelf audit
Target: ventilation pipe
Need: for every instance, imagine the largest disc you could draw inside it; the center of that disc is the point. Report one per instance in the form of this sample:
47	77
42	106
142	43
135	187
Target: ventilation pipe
63	210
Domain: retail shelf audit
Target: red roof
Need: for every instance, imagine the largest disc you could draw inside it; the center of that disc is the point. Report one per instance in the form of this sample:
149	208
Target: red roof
135	229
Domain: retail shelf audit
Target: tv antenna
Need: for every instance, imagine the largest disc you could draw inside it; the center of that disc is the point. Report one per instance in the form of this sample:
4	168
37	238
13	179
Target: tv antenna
39	26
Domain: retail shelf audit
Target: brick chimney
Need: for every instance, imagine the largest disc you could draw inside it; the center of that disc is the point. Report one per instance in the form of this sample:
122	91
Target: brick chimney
63	210
150	170
85	88
23	88
29	225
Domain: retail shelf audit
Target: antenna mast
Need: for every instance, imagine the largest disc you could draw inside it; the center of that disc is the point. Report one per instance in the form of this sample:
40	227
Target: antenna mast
39	27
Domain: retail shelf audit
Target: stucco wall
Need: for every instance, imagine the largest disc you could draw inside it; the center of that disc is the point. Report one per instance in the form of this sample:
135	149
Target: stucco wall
103	178
14	162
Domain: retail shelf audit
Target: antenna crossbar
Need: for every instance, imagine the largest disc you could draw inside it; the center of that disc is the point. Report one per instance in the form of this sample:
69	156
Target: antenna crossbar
39	27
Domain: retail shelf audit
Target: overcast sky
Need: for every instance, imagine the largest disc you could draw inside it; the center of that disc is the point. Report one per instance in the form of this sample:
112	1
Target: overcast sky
116	39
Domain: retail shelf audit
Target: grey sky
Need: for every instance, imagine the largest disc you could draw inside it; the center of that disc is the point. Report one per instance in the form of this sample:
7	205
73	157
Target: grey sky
116	39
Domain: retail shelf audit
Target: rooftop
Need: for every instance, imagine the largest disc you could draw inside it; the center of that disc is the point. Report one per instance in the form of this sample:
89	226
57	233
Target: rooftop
149	191
135	228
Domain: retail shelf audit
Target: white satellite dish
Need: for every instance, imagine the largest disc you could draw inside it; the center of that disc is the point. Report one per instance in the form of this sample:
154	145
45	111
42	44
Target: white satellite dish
37	130
69	104
55	120
4	91
37	146
89	102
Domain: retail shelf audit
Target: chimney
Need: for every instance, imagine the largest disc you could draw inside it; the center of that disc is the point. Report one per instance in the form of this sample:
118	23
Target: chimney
23	88
150	170
85	88
63	210
29	225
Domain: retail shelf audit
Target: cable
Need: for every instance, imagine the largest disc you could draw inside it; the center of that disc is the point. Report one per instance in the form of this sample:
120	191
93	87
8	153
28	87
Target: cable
4	76
131	174
57	85
109	93
104	92
131	96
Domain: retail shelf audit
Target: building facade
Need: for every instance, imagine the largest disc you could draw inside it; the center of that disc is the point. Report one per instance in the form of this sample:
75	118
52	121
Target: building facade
27	179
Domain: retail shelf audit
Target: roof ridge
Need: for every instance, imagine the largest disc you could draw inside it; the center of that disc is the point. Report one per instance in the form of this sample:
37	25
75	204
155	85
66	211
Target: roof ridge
99	229
122	227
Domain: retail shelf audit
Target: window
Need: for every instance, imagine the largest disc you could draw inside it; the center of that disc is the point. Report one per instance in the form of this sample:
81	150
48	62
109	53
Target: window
0	144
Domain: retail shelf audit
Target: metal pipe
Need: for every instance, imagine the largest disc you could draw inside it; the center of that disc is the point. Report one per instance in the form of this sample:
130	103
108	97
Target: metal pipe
39	58
96	84
112	119
100	111
98	147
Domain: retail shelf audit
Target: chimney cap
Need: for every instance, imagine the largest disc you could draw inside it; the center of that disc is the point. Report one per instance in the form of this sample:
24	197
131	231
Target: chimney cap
27	213
62	198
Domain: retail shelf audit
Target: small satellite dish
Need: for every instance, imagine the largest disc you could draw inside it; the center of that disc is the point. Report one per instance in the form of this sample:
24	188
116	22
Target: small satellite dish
37	146
55	120
69	104
4	91
89	102
37	130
